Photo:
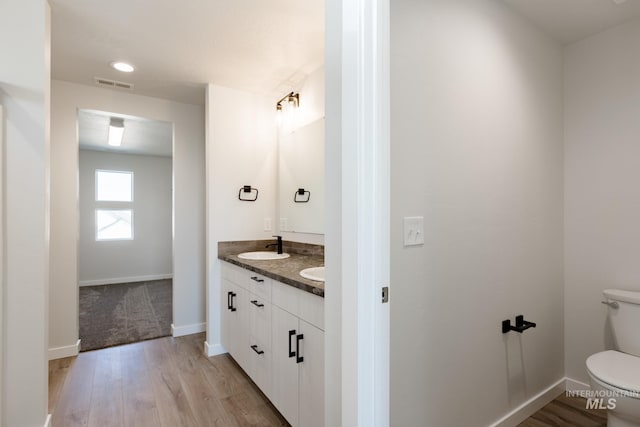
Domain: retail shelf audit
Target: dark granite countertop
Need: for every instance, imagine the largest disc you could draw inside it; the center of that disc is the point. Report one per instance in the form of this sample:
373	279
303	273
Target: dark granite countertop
283	270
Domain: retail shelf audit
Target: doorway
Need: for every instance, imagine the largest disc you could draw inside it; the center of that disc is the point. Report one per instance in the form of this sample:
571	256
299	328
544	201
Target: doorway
126	213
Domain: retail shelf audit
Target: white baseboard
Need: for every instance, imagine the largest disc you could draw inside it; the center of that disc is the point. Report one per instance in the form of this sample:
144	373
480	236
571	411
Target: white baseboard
573	385
531	406
213	350
131	279
180	331
66	351
47	422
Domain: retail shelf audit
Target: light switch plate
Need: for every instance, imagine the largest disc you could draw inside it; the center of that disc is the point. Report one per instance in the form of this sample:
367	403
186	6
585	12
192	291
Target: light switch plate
284	224
413	230
267	224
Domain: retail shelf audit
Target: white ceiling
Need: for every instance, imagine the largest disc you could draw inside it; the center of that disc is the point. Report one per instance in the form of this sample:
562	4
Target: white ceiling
255	45
141	136
179	46
571	20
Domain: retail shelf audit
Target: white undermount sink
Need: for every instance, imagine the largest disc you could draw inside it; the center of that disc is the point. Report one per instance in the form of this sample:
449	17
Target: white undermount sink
313	273
262	255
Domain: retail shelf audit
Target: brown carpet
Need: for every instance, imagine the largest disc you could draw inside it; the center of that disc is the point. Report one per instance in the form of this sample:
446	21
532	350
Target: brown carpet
124	313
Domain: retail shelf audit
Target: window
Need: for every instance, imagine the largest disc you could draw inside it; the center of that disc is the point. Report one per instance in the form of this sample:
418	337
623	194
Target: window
114	186
114	224
114	205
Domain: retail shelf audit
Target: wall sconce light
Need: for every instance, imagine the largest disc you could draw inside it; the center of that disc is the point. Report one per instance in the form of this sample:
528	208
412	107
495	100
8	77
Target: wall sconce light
292	98
116	131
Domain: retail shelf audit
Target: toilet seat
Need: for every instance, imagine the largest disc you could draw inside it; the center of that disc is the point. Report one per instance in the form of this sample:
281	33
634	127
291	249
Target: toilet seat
616	369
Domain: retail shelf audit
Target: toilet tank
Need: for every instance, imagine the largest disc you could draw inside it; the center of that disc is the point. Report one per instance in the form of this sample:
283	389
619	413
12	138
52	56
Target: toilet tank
625	319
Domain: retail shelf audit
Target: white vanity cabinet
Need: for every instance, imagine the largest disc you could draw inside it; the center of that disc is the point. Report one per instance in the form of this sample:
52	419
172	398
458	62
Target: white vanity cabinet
276	335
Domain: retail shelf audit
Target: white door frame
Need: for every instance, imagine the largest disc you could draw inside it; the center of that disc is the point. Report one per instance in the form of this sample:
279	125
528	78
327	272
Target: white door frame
357	61
1	259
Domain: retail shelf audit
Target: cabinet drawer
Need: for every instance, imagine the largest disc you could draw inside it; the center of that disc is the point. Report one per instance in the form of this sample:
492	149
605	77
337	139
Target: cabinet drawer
260	361
258	284
305	305
247	279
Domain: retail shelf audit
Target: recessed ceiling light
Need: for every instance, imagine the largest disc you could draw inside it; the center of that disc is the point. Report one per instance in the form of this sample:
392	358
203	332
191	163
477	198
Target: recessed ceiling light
122	66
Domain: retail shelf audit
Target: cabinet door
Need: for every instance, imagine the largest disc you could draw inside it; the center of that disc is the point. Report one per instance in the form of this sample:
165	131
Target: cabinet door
234	323
284	382
311	376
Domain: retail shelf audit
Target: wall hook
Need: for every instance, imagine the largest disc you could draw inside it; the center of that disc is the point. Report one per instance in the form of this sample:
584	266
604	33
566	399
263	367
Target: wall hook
521	325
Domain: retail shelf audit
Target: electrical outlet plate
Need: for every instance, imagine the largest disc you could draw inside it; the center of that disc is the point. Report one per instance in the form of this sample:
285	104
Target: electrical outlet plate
413	231
267	224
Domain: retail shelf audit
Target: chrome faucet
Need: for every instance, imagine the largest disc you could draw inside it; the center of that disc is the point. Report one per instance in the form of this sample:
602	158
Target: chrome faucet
278	244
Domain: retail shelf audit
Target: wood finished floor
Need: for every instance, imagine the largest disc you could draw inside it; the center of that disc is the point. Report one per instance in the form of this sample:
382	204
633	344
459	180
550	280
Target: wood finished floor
163	382
567	412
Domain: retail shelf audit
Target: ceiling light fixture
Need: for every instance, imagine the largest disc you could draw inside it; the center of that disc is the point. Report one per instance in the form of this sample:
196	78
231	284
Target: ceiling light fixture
116	131
122	66
292	98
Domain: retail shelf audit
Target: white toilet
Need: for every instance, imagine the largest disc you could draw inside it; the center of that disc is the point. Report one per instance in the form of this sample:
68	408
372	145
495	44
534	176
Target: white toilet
616	374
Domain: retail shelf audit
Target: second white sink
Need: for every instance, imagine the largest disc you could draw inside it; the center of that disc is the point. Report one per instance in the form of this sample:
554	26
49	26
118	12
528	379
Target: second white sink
262	255
313	273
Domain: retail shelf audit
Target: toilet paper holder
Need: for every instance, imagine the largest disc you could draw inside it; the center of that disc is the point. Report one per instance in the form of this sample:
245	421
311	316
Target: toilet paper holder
520	326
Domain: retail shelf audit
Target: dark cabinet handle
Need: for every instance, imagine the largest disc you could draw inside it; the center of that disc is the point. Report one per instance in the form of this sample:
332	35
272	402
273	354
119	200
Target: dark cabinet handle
291	334
232	308
229	300
256	303
255	348
255	278
299	359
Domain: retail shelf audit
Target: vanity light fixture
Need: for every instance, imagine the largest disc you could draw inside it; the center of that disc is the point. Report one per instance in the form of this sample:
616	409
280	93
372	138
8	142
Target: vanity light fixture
116	131
292	98
122	66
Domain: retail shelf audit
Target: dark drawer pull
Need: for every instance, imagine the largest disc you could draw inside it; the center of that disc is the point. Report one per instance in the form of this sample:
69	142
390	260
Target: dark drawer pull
255	278
255	348
299	359
291	334
256	303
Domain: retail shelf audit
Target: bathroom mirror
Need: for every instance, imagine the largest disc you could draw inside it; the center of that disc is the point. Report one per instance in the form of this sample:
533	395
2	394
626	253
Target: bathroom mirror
301	175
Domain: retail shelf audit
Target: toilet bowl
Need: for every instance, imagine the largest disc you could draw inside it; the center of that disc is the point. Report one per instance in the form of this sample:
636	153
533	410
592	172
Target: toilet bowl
615	375
615	384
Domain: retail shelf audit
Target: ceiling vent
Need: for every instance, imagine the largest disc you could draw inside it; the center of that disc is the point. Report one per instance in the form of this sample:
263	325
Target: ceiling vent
100	81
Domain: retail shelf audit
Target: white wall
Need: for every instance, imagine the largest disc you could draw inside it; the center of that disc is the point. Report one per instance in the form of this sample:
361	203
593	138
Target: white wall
312	101
476	148
241	150
602	195
333	214
188	170
24	94
148	255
